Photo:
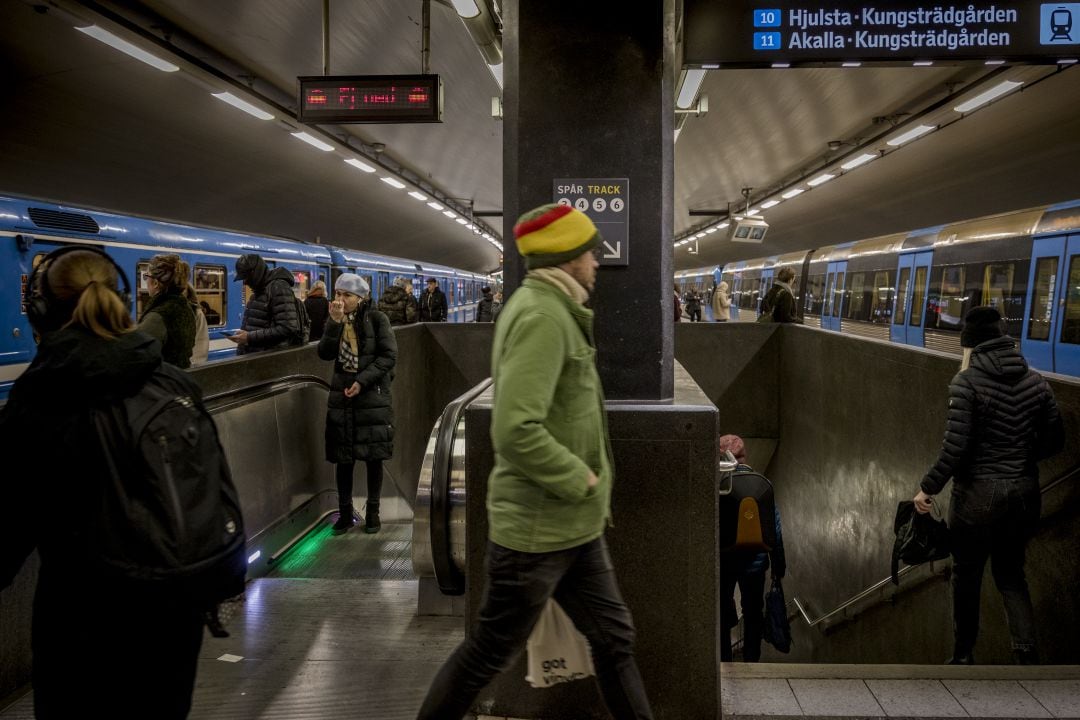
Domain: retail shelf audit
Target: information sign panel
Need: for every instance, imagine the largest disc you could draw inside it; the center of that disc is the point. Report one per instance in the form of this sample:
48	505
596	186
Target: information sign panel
370	99
760	33
607	203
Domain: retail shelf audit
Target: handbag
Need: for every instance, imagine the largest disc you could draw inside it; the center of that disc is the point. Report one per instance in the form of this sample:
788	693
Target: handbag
919	538
777	631
557	652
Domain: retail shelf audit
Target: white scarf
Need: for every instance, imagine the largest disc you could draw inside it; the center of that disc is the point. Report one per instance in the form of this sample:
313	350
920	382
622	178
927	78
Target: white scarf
563	280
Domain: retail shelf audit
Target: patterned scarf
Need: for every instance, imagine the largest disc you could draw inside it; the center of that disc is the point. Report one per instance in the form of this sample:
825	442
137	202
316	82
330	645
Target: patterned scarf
349	349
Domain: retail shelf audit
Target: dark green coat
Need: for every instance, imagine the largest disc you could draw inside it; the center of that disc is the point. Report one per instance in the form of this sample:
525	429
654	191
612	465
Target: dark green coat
170	318
362	427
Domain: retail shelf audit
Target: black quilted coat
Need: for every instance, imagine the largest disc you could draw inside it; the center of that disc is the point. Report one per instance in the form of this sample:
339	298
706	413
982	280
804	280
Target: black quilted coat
270	318
361	427
1002	420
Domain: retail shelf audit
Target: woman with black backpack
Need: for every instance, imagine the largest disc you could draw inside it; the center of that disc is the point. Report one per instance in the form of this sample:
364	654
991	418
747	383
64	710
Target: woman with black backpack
101	639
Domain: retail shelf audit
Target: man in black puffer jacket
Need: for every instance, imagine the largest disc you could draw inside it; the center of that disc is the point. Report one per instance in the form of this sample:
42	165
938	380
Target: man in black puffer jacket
1002	420
271	321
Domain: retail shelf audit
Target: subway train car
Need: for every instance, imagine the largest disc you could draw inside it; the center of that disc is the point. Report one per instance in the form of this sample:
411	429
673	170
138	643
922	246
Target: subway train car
34	228
915	287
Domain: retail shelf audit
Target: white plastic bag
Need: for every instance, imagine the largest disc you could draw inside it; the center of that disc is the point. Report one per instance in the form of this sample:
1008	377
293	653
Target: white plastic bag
558	653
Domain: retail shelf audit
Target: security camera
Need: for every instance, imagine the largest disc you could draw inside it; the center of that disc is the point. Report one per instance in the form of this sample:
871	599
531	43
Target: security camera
748	229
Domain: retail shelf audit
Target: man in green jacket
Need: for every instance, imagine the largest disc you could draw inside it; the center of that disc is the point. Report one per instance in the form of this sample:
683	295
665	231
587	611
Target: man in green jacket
549	493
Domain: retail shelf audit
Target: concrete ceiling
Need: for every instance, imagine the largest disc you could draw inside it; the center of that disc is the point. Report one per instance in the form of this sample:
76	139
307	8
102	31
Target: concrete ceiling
85	124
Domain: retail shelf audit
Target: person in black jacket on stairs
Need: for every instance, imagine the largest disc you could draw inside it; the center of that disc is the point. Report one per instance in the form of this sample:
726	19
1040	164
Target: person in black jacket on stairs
1002	420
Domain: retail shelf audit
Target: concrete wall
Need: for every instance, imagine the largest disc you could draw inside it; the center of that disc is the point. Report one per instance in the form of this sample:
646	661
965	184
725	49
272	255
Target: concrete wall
859	423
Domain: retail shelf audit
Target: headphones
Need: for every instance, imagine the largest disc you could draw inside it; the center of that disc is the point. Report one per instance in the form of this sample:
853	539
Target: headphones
41	306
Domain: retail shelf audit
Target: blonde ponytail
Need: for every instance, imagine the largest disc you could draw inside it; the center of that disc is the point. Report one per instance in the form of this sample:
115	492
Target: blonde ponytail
100	311
88	281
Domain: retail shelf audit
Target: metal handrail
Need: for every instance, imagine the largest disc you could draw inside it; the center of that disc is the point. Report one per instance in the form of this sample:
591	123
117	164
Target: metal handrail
451	581
933	571
235	397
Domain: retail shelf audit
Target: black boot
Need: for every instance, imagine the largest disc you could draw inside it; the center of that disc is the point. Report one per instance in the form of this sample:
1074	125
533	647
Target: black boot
967	659
1027	657
371	518
345	521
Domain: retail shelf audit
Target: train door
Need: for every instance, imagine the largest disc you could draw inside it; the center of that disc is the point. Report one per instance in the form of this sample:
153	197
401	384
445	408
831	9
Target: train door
912	286
736	294
766	283
834	295
1052	324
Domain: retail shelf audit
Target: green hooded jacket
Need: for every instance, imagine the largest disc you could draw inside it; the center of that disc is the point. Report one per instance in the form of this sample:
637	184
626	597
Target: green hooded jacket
548	425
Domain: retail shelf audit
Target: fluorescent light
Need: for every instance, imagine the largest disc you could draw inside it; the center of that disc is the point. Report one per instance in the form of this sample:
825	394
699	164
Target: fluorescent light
242	105
1066	61
861	160
923	63
781	65
991	94
851	63
753	211
820	180
711	230
449	214
713	66
393	182
912	134
254	556
461	221
699	235
417	195
690	85
722	225
994	62
769	203
792	193
465	8
127	48
435	206
312	141
360	165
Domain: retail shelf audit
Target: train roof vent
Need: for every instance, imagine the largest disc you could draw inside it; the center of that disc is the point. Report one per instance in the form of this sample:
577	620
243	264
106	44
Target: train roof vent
56	220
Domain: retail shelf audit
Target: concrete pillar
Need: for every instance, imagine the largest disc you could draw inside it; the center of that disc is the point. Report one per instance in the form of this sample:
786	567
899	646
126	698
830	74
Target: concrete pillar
588	94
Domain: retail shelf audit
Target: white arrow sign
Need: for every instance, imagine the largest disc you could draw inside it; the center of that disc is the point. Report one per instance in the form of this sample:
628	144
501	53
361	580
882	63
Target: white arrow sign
612	252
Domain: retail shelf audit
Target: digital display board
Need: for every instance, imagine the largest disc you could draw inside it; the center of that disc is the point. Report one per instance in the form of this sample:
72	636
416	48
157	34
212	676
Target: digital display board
760	33
370	99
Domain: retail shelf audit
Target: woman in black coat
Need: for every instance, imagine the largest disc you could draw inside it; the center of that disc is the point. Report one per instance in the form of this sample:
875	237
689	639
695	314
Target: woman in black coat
100	639
1002	420
359	415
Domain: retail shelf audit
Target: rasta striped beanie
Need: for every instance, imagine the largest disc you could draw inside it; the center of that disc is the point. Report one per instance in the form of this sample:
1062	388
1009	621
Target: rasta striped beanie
553	234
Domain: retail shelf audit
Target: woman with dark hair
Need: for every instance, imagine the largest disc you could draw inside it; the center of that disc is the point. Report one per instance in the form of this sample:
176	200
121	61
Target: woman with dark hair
100	640
169	316
359	414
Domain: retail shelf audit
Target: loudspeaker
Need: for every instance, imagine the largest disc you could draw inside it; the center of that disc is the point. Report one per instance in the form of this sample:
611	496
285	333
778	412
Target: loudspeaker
40	303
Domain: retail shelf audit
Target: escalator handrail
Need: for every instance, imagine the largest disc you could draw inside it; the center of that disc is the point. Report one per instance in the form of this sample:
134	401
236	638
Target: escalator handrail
451	581
259	391
842	607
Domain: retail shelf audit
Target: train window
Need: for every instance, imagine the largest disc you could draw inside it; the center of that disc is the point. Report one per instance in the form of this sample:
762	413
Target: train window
918	297
209	282
902	290
857	293
142	287
997	285
370	280
953	299
302	278
1042	301
838	294
815	290
881	310
1070	319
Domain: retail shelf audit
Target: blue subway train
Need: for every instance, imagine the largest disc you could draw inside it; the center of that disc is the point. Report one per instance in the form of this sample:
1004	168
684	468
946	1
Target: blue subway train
915	287
34	228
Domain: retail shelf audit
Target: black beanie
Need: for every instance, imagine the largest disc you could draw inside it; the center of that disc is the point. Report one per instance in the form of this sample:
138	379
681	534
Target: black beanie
981	324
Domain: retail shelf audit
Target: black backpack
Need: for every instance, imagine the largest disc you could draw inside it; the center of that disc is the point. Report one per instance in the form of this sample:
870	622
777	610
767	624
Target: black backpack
171	514
919	538
748	513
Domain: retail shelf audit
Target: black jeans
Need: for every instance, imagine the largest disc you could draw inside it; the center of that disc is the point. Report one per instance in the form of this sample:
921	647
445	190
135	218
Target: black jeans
344	476
519	584
752	599
1002	541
